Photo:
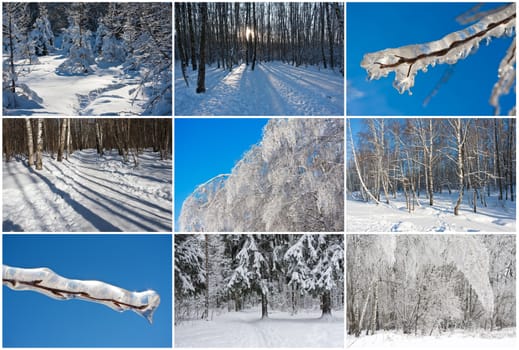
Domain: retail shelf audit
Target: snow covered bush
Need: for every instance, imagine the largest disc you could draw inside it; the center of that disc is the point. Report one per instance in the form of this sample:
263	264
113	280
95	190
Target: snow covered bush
42	35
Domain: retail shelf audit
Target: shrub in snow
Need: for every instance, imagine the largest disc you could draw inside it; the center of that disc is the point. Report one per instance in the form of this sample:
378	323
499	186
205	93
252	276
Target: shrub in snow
42	35
107	47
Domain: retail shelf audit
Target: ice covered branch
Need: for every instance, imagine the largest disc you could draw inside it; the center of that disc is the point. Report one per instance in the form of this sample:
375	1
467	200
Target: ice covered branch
406	61
506	77
45	281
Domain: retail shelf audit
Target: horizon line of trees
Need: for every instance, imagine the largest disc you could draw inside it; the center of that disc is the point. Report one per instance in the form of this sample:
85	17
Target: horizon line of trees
60	137
228	34
476	157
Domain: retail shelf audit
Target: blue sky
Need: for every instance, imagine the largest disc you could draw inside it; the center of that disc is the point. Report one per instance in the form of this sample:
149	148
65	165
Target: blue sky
376	26
205	148
132	262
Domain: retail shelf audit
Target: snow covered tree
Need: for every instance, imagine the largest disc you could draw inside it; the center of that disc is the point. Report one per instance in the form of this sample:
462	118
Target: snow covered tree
290	181
407	61
316	264
42	34
253	271
418	283
80	56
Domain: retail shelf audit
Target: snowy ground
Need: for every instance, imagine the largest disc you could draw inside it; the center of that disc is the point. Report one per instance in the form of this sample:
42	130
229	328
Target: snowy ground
245	329
105	92
369	217
458	339
272	89
88	194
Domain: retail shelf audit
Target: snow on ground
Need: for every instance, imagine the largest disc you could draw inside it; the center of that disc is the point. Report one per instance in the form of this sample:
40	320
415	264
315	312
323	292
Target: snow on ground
369	217
457	339
105	92
88	193
245	329
272	89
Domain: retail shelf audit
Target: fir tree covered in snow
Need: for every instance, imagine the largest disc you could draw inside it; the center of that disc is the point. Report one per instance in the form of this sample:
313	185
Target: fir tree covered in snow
42	34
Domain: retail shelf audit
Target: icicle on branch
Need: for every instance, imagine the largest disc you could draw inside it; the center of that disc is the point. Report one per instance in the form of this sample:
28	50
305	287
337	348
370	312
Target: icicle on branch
45	281
505	78
406	61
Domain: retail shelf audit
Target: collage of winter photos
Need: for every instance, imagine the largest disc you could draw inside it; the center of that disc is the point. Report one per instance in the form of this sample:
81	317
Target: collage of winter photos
260	174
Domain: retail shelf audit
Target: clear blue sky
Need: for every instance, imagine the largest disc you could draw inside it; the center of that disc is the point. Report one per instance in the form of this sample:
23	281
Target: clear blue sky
205	148
376	26
132	262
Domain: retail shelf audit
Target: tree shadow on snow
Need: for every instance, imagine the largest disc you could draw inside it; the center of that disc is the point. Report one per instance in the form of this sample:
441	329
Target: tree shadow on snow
97	221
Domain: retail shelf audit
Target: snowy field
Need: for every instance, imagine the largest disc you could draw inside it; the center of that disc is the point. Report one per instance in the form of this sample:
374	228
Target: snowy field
458	339
245	329
87	193
369	217
107	91
272	89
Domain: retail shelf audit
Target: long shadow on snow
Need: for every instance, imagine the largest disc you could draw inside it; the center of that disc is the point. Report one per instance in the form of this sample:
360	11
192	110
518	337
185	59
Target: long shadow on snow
136	199
116	204
34	208
97	221
147	177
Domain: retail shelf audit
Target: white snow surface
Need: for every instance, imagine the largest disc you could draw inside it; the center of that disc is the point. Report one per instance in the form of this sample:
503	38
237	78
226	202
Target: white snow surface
456	339
245	329
107	91
272	89
44	280
369	217
88	193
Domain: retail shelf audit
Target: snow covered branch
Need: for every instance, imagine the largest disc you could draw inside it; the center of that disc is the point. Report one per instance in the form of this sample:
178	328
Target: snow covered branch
506	77
45	281
406	61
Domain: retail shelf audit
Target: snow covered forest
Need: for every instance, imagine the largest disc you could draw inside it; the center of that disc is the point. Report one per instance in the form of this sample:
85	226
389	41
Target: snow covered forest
406	286
84	175
291	181
87	58
274	290
259	58
431	175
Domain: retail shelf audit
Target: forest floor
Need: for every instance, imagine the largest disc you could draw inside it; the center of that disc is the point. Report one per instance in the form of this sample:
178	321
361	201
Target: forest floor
245	329
456	339
107	91
272	89
498	216
87	193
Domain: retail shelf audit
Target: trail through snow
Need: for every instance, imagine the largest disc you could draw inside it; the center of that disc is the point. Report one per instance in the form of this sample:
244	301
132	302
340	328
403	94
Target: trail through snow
394	217
88	193
245	329
105	92
272	89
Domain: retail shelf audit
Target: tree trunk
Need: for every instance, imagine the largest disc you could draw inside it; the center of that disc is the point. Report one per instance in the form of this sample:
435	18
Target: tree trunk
326	304
207	277
99	138
498	155
330	34
264	306
191	35
39	144
201	69
459	171
62	135
30	146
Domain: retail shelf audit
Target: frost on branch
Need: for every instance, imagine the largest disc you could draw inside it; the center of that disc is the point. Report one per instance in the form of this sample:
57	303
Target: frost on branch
45	281
406	61
505	76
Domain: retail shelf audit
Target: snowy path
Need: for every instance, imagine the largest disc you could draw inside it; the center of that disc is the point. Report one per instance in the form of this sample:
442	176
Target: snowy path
369	217
105	92
245	329
272	89
88	194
